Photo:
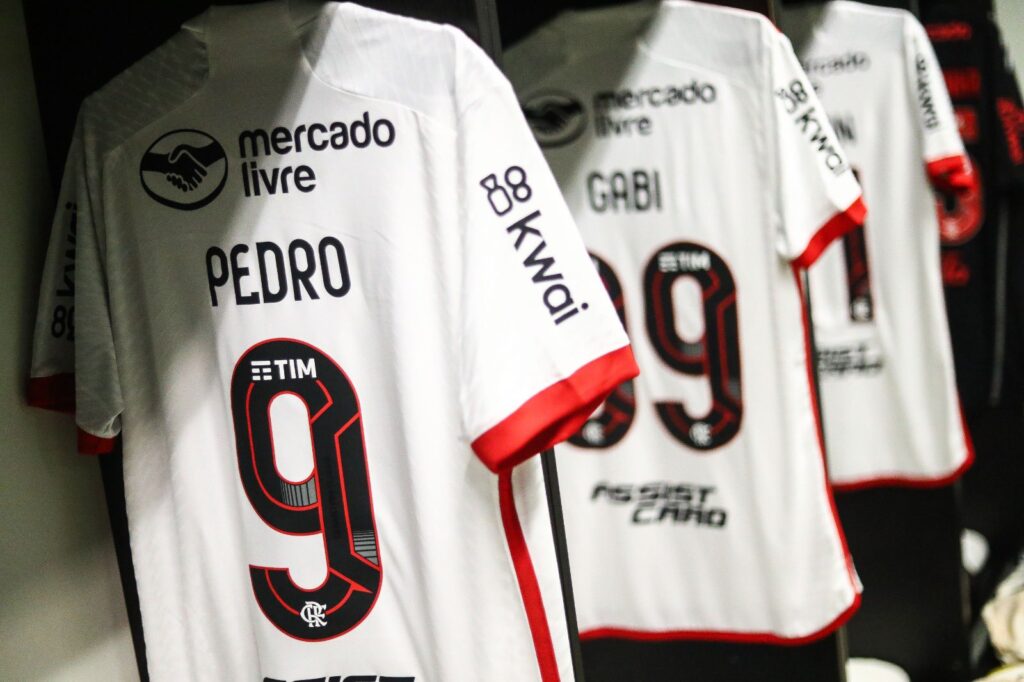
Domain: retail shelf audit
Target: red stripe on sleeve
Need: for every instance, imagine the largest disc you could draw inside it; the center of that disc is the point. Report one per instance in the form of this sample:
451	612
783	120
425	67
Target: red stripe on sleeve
56	392
89	444
836	227
529	588
951	173
555	413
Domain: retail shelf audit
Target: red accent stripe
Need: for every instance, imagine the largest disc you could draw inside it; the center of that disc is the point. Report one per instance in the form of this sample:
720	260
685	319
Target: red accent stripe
918	481
906	481
820	429
837	226
529	589
722	636
968	439
89	444
56	392
555	413
950	173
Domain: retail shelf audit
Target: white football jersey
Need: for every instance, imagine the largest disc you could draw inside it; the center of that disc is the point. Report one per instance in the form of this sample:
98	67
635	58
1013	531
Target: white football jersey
315	262
704	175
885	363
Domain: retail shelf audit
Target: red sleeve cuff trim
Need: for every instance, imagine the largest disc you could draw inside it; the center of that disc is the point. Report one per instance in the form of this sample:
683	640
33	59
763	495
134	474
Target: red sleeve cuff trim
951	173
837	226
55	392
555	413
89	444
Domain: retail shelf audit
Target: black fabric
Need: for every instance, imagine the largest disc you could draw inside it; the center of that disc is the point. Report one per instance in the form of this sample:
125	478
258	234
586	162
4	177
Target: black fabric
977	266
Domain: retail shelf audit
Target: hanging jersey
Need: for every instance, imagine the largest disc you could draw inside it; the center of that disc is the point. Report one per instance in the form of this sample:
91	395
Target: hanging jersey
884	360
315	262
703	175
975	226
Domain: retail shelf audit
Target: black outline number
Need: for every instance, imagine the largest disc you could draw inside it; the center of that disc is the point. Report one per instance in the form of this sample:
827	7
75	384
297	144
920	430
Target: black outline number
334	501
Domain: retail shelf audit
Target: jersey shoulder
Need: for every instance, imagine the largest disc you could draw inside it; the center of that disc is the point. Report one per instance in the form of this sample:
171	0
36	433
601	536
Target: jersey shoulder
881	26
574	35
735	44
712	25
149	89
431	68
868	14
710	14
688	34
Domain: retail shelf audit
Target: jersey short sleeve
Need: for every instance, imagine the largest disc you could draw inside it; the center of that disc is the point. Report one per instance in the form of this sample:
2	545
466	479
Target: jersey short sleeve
51	376
73	362
943	150
98	401
542	346
820	198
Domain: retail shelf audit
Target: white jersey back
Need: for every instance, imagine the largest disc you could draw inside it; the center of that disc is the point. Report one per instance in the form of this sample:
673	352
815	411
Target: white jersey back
884	357
319	260
703	174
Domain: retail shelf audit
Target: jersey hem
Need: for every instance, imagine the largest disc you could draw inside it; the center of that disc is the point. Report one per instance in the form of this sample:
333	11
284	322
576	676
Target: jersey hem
905	481
555	413
529	588
89	444
950	173
835	227
724	635
55	392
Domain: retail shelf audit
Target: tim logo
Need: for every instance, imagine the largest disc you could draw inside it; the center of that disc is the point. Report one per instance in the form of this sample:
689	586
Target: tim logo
289	368
557	118
184	169
314	614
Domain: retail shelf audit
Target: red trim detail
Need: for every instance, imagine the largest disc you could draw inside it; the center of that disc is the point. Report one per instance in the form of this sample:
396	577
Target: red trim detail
529	588
819	428
89	444
722	636
56	392
286	605
914	481
968	439
949	31
837	226
951	173
906	481
555	413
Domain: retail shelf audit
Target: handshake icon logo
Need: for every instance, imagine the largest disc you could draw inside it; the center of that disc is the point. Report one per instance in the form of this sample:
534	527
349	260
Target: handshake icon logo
184	169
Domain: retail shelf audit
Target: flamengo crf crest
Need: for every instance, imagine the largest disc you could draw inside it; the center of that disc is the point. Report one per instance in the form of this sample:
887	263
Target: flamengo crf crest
313	613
